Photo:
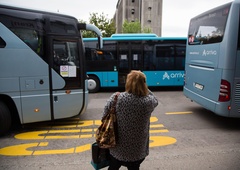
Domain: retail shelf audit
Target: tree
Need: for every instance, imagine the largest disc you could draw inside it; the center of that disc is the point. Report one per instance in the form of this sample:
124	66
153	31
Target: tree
106	26
134	27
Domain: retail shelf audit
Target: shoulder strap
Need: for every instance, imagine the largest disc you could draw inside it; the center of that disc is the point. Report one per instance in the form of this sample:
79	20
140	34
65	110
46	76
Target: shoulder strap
115	99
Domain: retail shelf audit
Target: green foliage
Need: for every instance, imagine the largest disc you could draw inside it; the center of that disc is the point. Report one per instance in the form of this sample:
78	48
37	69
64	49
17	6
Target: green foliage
131	27
147	30
134	27
106	26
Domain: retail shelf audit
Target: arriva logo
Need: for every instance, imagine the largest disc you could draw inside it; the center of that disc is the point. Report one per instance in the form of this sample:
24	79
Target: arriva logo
172	75
165	76
209	52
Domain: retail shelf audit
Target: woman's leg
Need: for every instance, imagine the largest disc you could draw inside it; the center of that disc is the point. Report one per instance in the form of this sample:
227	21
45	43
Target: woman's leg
134	165
114	163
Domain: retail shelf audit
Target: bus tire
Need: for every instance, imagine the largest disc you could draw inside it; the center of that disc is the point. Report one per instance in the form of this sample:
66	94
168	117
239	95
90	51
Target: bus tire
93	84
5	118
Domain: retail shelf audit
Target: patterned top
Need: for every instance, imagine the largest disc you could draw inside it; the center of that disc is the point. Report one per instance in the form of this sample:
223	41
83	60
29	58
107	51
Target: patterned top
133	118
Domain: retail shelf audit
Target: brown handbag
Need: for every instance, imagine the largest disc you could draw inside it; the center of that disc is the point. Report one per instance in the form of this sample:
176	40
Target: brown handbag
106	134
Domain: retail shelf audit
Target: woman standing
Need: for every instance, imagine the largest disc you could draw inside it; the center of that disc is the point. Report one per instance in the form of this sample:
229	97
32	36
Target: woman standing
133	111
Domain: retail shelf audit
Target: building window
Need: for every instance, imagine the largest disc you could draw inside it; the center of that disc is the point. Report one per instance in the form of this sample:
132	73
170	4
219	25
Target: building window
133	11
149	8
149	21
133	1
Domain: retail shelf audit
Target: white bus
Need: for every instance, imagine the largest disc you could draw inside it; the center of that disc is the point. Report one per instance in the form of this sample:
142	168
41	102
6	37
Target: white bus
42	69
212	67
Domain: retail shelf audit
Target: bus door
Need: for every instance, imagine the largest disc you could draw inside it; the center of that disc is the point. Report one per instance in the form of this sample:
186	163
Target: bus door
136	50
67	78
130	58
124	62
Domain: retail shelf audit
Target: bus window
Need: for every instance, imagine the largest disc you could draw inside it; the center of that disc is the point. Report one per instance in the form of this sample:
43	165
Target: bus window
123	55
31	38
148	63
111	48
164	57
2	43
180	57
136	55
101	55
208	28
65	56
60	27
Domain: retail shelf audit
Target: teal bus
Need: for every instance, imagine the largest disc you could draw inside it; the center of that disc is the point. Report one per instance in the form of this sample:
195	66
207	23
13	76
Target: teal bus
162	59
212	77
42	66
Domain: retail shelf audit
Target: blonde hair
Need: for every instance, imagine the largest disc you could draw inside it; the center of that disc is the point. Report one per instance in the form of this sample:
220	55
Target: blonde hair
136	83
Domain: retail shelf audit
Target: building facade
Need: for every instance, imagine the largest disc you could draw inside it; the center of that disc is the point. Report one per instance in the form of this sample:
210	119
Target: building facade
147	12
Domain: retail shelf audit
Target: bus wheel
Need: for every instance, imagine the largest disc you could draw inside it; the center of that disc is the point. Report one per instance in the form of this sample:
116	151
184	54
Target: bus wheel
93	84
5	118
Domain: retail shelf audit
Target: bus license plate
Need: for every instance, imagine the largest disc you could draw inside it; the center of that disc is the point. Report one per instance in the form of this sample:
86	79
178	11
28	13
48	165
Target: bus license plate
198	86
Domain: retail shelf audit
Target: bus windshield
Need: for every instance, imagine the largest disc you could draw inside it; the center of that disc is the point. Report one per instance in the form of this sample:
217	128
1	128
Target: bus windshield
209	27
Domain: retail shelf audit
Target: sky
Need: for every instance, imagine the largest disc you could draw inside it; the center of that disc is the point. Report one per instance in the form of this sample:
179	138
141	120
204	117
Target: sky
175	17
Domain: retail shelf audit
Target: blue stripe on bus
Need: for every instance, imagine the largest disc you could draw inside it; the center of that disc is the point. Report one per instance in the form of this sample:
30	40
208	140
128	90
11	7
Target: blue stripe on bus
154	78
107	78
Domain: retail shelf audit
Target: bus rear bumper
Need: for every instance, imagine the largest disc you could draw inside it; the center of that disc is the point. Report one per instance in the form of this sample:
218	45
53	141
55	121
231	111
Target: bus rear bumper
220	109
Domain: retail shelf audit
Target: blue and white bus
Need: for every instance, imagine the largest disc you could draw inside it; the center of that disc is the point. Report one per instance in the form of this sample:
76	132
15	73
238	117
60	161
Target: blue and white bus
162	59
213	60
42	69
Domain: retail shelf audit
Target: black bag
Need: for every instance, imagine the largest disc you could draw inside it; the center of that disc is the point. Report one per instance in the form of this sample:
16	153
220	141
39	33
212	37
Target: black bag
100	157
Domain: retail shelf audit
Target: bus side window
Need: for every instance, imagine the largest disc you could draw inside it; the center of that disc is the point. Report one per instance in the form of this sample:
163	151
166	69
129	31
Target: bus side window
90	54
29	36
2	43
148	63
164	58
103	55
64	54
180	58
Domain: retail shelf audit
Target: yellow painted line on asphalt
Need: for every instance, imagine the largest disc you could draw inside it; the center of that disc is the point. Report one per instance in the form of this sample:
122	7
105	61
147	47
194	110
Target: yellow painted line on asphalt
26	149
161	141
17	150
51	134
97	122
87	130
74	125
156	126
68	123
155	129
153	119
63	137
178	113
31	135
41	147
86	136
57	151
65	131
159	131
